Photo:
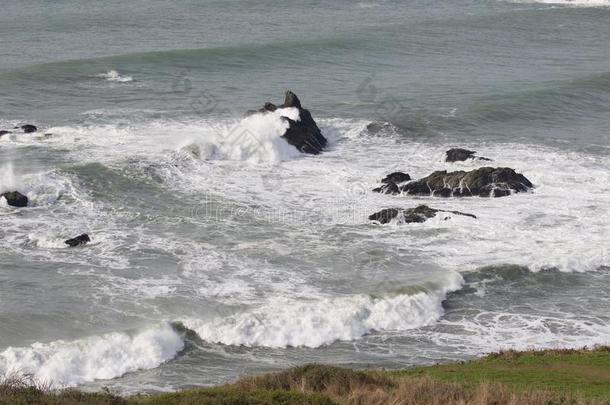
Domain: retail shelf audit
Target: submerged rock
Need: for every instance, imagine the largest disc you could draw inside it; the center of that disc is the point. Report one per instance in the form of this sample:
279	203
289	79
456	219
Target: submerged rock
460	155
303	134
411	215
15	199
482	182
78	241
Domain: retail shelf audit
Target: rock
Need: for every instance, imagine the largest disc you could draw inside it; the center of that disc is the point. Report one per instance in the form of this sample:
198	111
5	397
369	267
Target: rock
385	216
78	241
28	128
15	199
411	215
269	107
3	132
483	182
396	177
377	128
460	155
303	134
389	188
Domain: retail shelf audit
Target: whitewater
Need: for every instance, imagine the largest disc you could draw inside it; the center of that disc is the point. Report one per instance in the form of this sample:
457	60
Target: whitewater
219	249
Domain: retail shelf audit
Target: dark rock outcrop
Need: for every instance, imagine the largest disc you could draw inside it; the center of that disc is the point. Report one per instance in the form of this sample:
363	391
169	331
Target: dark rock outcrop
15	199
303	134
460	155
391	182
4	132
28	128
78	241
388	188
396	177
411	215
482	182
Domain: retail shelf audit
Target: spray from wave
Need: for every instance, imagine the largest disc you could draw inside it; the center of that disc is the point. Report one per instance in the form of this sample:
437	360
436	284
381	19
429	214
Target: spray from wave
255	139
8	180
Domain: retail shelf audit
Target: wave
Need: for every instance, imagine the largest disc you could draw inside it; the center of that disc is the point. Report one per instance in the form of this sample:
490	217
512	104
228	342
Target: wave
70	363
554	102
288	323
219	57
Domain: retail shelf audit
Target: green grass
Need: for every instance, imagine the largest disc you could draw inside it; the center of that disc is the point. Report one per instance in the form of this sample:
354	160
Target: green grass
582	372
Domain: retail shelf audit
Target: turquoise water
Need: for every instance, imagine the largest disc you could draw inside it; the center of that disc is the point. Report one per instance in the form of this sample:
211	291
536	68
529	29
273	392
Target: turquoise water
211	257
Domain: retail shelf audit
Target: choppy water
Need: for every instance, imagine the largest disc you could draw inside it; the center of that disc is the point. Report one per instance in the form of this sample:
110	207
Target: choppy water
213	255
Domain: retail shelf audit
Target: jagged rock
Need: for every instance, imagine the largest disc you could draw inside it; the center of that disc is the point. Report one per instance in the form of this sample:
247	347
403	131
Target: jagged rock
15	199
396	177
411	215
483	182
303	134
460	155
78	241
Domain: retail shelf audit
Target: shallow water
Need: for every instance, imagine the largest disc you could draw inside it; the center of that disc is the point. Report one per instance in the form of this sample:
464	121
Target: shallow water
218	250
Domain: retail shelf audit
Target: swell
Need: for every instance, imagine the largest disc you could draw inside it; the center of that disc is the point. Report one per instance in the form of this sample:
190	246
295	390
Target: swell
553	102
240	57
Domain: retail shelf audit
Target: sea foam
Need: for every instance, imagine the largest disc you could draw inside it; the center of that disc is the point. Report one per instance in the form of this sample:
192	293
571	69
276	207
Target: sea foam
114	76
69	363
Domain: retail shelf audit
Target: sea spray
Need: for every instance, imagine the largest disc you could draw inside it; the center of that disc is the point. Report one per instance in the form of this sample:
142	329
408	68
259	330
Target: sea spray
256	139
8	180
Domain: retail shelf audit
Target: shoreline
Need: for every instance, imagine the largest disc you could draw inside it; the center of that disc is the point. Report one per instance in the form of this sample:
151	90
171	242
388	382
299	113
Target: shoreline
553	376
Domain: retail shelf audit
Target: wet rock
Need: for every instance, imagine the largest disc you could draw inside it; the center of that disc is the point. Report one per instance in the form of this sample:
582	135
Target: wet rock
303	134
482	182
460	155
78	241
15	199
29	128
411	215
4	132
389	188
396	177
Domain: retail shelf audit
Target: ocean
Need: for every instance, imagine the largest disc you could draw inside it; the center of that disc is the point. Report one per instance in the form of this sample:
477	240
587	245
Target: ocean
218	250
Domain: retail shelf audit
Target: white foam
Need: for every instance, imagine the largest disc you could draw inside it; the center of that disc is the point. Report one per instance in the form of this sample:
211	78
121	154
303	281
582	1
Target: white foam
285	322
69	363
573	3
114	76
494	331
